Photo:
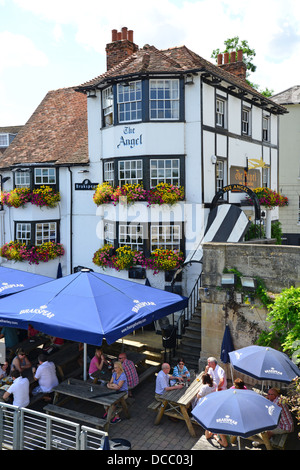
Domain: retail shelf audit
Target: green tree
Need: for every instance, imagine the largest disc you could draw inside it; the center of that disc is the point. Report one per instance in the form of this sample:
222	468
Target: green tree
235	44
284	318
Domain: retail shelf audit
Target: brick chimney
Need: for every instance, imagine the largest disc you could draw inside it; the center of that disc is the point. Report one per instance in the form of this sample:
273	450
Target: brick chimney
236	66
120	48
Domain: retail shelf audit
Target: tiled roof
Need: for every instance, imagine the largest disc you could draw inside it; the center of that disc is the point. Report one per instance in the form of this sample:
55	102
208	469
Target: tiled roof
150	60
289	96
56	132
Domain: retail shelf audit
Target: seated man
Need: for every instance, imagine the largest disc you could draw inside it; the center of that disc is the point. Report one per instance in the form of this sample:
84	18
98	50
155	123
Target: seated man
45	374
130	372
19	389
163	381
286	424
218	374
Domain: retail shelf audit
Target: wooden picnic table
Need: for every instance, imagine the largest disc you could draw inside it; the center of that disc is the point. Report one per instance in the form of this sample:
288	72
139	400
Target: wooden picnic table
175	403
98	394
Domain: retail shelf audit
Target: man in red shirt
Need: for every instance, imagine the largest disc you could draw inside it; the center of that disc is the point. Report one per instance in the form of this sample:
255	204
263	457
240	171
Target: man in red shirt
130	372
286	424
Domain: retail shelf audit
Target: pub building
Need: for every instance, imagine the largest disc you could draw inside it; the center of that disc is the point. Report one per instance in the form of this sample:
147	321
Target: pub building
154	116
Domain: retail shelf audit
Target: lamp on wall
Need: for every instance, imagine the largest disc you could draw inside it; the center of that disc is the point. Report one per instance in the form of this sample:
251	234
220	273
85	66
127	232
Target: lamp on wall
92	93
248	283
228	280
189	79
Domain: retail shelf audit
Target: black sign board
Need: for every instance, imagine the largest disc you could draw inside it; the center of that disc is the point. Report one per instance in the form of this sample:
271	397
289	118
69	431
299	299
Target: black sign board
86	185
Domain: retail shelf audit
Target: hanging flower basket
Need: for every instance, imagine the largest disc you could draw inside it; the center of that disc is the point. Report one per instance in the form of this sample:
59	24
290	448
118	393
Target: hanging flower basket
43	196
18	251
269	198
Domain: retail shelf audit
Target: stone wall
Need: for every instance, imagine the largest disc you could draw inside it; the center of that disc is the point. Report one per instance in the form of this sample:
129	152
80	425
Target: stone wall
277	265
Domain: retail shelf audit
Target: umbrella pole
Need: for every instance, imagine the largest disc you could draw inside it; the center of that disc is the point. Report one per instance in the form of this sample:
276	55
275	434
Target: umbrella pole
239	442
84	361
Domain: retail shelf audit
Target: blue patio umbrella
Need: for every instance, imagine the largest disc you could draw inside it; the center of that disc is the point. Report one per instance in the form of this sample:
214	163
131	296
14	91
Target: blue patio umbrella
88	307
264	363
15	280
227	346
236	412
106	445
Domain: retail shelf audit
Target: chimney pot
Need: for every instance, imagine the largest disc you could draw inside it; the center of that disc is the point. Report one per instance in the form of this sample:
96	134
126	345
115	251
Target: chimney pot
240	55
130	35
220	59
226	57
232	57
114	35
119	36
124	33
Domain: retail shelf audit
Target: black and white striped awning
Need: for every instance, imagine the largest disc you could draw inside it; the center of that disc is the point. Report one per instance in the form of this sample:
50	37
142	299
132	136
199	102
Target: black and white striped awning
226	223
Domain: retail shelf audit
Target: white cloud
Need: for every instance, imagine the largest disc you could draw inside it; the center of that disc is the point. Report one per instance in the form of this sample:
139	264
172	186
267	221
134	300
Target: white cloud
18	50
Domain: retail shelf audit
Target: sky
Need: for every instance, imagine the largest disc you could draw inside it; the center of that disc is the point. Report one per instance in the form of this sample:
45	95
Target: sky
50	44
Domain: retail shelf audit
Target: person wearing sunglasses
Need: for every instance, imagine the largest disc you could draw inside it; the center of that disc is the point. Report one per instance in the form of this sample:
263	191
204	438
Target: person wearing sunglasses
20	361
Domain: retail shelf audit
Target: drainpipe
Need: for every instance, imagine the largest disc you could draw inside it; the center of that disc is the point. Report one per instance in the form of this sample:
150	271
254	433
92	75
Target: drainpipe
71	220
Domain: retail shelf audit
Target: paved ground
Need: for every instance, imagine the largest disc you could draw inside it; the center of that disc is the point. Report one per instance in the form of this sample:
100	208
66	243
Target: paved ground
168	435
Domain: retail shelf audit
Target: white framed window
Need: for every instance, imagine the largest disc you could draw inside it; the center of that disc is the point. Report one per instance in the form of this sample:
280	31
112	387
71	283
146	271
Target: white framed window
45	232
164	99
44	176
246	121
220	112
23	232
22	179
164	171
108	106
109	168
220	175
165	237
266	128
130	101
4	140
131	235
109	233
266	177
130	171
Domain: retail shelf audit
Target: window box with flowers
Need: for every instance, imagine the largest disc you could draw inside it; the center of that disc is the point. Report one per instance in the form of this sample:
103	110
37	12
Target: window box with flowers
126	258
163	193
35	254
43	196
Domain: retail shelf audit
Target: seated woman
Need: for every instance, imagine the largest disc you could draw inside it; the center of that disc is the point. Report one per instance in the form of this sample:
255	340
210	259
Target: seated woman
180	370
207	386
4	370
239	384
20	361
97	362
117	382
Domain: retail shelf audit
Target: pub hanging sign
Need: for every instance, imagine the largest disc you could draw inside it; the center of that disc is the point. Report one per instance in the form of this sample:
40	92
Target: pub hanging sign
86	185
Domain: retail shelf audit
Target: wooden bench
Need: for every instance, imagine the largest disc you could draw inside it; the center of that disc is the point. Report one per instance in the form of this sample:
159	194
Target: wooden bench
278	441
75	415
154	405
